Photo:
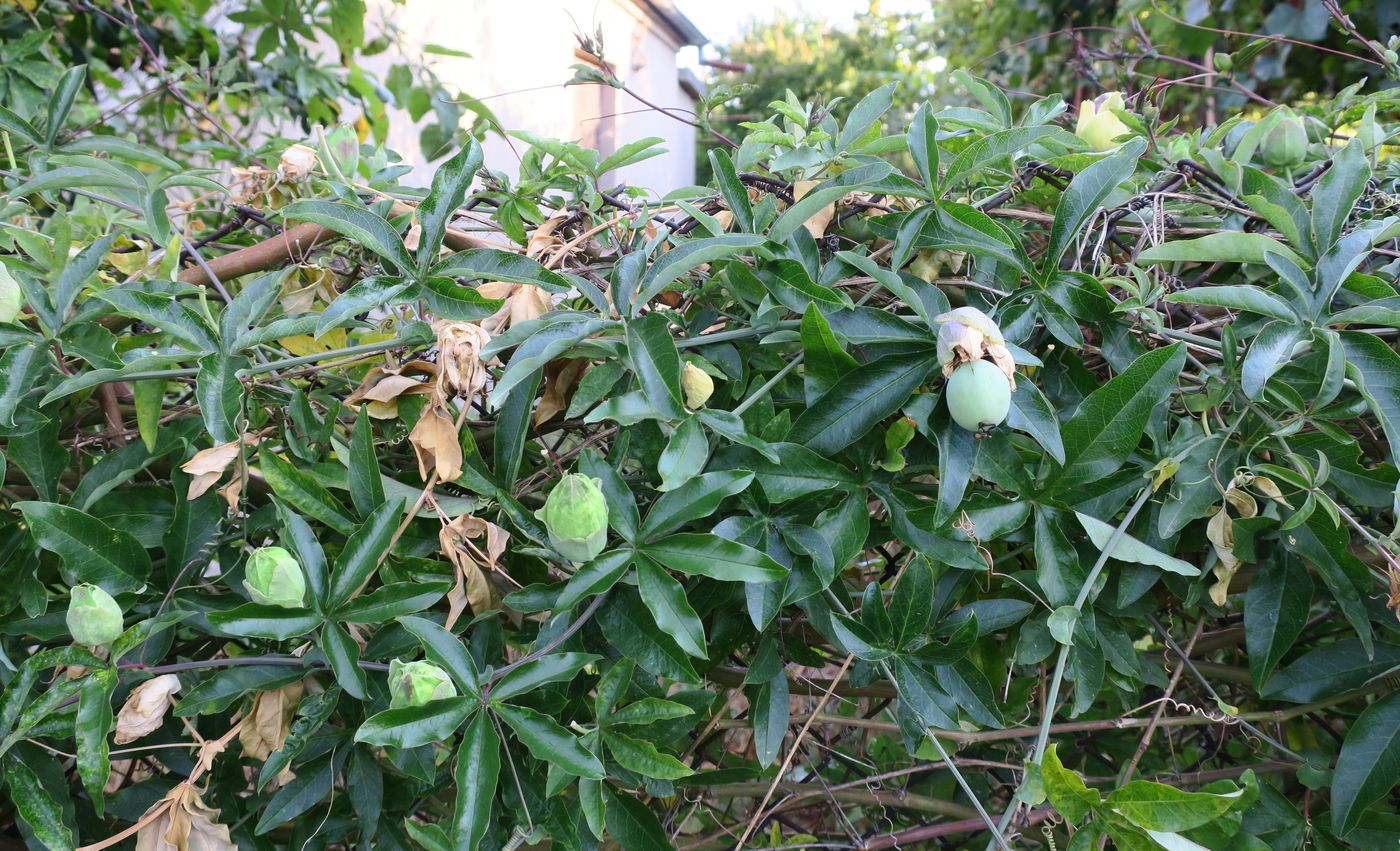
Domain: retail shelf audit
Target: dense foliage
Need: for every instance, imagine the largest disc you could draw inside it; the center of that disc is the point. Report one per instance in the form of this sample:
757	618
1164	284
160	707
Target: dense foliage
345	513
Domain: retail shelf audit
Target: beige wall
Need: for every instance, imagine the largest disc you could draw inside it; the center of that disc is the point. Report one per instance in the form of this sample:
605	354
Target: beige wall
522	51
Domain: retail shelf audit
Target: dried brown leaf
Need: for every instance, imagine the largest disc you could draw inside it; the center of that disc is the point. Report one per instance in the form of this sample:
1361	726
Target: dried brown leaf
436	444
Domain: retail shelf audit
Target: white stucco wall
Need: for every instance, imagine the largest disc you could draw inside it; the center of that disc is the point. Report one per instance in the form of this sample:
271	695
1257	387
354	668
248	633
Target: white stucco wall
522	53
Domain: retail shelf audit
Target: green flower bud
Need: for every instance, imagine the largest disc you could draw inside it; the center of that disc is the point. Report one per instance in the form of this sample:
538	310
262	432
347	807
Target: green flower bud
94	618
11	297
274	578
1286	144
697	386
896	438
416	683
1097	125
1224	63
576	516
978	394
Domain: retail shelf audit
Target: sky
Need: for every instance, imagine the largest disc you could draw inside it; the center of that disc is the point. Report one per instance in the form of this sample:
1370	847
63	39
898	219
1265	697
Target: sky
721	20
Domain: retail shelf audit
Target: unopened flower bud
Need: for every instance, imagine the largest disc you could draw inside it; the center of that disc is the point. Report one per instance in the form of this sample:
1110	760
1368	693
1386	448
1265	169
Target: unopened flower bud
1097	124
297	162
94	618
274	578
576	516
416	683
697	386
978	394
1286	144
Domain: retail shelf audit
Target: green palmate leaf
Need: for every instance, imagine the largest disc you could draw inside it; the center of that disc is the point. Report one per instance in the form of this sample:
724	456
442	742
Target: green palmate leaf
78	272
1327	548
1368	766
685	454
824	359
1270	351
478	770
450	183
1239	297
825	193
301	491
643	758
770	712
634	825
1109	423
864	115
549	742
1224	247
62	101
995	145
597	576
1275	612
697	498
1158	807
863	397
1032	413
20	366
36	805
1089	189
363	552
922	141
451	300
343	654
1375	367
298	538
493	264
310	787
1329	670
358	225
221	395
219	692
392	601
795	471
1336	194
553	668
657	363
736	197
366	480
256	620
713	556
666	599
90	730
629	626
365	295
684	259
649	710
1065	789
1131	549
411	726
91	550
446	651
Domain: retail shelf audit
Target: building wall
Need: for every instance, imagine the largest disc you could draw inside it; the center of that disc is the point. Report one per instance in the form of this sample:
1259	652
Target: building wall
522	53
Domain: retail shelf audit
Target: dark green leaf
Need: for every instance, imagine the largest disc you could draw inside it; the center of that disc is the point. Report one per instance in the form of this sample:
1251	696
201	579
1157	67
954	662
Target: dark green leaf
359	226
1109	423
547	741
91	550
864	397
411	726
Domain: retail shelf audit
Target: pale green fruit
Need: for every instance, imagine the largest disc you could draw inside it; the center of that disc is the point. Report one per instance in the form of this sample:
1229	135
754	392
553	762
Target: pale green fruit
576	516
416	683
94	618
978	395
274	578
